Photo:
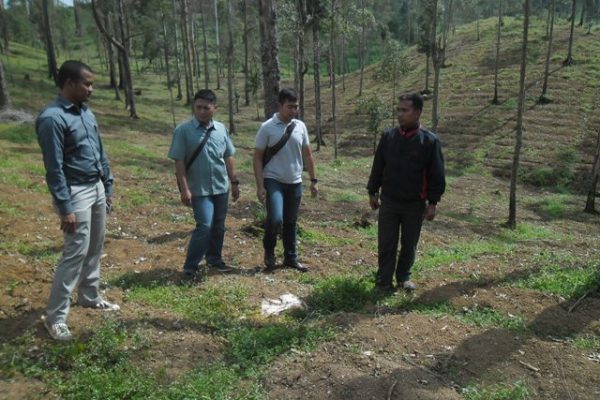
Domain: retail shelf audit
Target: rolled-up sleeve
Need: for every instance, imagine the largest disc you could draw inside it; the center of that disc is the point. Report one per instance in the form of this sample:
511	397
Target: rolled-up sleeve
50	134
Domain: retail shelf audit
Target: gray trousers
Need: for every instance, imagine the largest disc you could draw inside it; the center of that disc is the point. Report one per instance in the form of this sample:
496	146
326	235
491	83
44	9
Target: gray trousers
79	266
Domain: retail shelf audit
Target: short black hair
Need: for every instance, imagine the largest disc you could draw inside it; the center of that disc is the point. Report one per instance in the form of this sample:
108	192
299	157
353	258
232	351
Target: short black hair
71	69
415	98
206	94
288	94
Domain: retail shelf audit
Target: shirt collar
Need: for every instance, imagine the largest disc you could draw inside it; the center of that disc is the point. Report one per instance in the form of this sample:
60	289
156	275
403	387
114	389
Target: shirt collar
197	123
409	133
67	104
279	121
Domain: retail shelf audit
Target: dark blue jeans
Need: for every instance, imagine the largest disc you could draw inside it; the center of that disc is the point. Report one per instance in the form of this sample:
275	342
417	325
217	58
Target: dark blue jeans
283	202
404	219
207	238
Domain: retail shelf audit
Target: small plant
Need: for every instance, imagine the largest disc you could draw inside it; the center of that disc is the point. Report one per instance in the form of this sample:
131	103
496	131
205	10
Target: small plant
340	293
516	391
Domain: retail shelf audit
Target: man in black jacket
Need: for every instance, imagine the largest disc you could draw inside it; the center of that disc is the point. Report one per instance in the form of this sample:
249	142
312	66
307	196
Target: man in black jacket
409	169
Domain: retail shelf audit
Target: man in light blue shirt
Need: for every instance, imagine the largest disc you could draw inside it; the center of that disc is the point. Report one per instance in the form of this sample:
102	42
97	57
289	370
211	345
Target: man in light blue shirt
203	181
279	181
80	181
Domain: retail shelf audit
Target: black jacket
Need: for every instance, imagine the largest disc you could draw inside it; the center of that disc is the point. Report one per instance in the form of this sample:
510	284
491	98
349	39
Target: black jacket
408	168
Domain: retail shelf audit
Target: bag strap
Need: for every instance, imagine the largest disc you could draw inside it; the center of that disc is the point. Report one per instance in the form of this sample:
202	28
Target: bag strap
199	148
271	151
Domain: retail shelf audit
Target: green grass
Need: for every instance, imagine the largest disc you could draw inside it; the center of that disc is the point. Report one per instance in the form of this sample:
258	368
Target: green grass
340	293
503	391
18	133
567	281
486	317
588	342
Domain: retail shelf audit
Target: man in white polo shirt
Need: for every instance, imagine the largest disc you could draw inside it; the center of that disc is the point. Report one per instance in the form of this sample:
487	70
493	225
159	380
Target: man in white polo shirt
279	180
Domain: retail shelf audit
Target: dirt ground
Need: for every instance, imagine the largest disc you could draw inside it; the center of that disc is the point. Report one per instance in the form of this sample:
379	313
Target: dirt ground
380	353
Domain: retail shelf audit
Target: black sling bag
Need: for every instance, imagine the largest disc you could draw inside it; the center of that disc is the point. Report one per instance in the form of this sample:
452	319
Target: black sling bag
196	152
271	151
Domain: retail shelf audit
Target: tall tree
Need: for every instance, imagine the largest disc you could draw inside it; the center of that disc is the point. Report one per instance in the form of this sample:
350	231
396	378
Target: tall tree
332	60
316	11
167	67
543	99
437	58
246	33
204	48
77	12
49	40
4	45
130	99
110	50
4	97
512	206
569	60
361	50
495	100
187	52
301	64
230	68
269	55
217	43
176	50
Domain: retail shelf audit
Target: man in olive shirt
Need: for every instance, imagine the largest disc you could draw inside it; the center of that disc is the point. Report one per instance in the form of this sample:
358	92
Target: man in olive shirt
204	185
80	181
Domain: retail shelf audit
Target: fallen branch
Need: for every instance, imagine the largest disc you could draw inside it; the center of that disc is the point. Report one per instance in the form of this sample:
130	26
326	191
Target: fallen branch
586	294
391	390
529	366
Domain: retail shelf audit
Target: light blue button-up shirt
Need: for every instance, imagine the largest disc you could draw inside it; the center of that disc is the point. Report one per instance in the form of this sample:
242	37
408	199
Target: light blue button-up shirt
207	175
70	141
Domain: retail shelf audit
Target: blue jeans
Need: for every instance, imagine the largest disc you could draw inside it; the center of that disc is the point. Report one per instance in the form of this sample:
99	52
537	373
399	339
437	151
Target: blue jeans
207	238
283	202
398	220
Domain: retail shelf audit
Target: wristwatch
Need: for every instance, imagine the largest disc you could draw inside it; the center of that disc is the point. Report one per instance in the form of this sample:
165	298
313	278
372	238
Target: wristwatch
314	180
236	182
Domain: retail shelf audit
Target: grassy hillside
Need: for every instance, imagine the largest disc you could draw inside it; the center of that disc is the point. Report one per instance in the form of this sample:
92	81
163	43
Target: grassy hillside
499	314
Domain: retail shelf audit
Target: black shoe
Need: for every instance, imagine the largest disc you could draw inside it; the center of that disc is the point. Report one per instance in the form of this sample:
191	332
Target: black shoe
190	275
384	289
270	262
222	267
296	265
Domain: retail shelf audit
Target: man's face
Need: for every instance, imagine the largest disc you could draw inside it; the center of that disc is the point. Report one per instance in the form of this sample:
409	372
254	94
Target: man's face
288	110
204	110
82	89
408	116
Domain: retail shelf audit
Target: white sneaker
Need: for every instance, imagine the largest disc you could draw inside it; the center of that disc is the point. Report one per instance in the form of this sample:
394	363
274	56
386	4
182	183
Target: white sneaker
107	306
58	331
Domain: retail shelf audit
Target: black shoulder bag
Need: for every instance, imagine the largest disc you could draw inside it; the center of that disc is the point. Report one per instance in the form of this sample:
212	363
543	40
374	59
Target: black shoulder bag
271	151
196	152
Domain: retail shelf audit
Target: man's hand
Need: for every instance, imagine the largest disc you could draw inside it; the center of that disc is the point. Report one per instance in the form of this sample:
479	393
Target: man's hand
186	197
261	193
67	223
374	201
235	192
108	205
314	189
429	213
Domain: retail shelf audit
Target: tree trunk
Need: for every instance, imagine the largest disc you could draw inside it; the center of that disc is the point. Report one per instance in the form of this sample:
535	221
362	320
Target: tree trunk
332	59
437	58
124	55
302	64
244	5
4	97
167	67
230	68
361	52
77	12
495	100
205	51
195	55
187	53
269	55
316	27
569	60
112	69
543	99
177	63
218	44
4	45
512	206
582	15
478	30
590	204
50	52
448	8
